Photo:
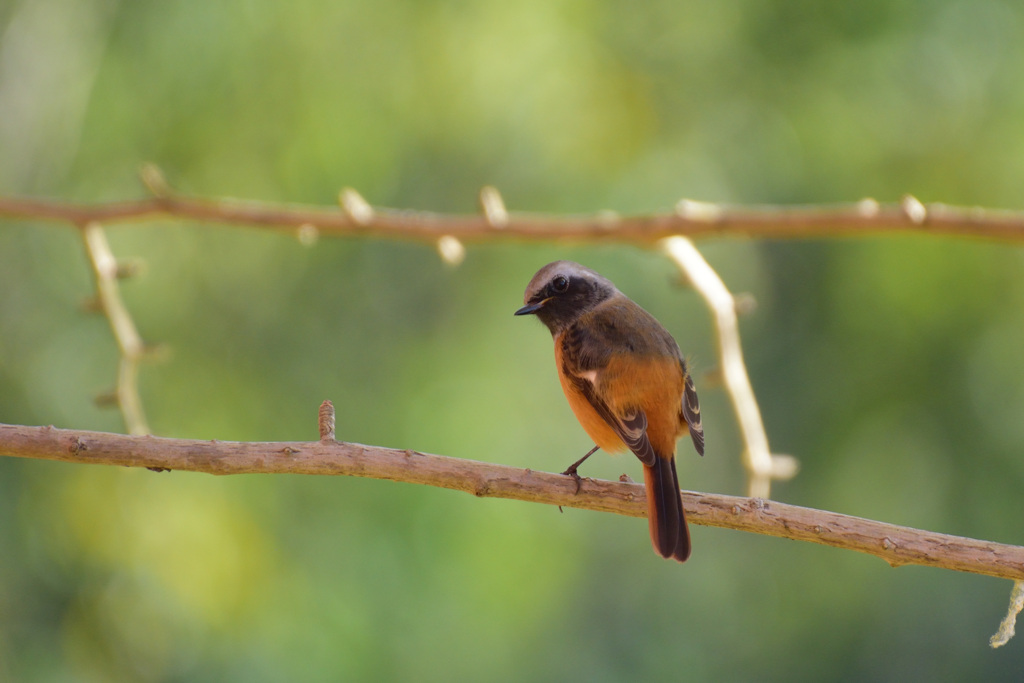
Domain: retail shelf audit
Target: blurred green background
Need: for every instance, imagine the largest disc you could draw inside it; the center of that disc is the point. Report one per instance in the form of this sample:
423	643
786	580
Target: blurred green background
891	367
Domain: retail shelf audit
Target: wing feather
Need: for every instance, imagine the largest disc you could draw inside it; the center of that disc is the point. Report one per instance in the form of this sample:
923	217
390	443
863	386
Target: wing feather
582	362
691	411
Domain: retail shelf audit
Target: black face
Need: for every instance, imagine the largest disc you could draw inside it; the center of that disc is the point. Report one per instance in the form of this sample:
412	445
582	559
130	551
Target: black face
564	296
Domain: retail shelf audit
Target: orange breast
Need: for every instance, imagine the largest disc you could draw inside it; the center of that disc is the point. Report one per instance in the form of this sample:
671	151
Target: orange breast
592	423
651	383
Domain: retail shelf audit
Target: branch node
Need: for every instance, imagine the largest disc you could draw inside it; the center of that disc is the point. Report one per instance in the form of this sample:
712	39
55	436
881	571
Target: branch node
356	208
326	421
307	234
913	209
451	250
153	178
784	467
889	544
607	219
692	210
493	206
868	208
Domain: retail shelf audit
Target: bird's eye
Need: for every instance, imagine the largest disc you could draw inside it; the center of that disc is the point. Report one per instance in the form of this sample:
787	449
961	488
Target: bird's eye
560	284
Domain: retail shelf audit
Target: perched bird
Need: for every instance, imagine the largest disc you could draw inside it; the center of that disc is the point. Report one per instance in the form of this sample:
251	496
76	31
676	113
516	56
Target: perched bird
625	380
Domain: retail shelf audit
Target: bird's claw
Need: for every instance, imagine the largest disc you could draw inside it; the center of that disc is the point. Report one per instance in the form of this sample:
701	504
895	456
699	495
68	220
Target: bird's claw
571	472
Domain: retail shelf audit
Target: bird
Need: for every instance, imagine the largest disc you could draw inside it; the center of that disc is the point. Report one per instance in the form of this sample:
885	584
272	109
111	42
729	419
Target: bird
626	382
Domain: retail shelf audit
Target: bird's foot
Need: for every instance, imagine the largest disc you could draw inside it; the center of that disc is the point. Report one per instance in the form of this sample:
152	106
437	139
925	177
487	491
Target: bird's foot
571	472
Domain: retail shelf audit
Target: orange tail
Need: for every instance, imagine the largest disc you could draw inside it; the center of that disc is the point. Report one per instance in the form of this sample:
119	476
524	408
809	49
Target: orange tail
665	514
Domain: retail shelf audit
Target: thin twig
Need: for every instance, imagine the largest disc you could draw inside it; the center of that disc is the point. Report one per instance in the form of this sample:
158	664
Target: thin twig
758	460
105	270
325	421
897	545
1009	623
864	217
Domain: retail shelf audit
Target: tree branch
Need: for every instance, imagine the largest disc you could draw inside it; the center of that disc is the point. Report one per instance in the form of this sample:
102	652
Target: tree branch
691	219
761	465
357	217
896	545
106	272
758	460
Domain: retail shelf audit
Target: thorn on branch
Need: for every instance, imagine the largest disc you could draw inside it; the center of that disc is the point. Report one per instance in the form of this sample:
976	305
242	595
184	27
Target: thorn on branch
451	250
607	219
693	210
153	178
307	234
913	209
493	207
868	207
356	208
784	467
326	421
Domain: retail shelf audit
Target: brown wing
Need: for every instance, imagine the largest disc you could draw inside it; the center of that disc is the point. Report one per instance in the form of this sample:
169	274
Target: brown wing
582	354
691	411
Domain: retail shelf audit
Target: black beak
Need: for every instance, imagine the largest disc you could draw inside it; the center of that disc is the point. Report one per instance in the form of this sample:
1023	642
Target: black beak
529	309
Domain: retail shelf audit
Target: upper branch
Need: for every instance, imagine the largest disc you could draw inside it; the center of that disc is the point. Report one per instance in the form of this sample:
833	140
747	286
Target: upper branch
897	545
692	219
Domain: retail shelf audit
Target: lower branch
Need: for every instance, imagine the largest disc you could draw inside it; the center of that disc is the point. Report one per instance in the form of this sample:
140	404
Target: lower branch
897	545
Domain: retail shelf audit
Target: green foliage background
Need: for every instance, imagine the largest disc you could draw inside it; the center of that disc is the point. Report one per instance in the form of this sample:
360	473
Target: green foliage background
890	366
